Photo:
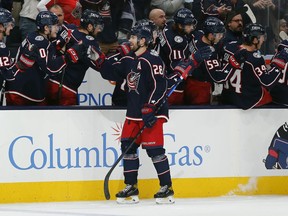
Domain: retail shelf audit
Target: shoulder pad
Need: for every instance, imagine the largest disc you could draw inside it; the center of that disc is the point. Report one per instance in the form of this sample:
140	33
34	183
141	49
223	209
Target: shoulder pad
257	54
89	37
256	59
2	45
154	52
178	39
37	39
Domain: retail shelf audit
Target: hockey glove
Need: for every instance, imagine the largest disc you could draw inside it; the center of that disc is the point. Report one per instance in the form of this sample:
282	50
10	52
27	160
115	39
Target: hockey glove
184	68
280	59
238	59
124	49
203	53
96	56
75	53
63	40
271	159
148	115
28	57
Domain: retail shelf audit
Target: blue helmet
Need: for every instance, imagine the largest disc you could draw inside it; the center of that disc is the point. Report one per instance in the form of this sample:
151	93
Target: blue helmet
213	25
91	17
184	16
146	22
6	17
143	32
46	18
252	31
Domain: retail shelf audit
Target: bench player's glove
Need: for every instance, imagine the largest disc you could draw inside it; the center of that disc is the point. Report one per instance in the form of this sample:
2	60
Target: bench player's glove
28	57
184	68
280	59
96	56
75	53
271	158
124	49
238	59
148	115
203	53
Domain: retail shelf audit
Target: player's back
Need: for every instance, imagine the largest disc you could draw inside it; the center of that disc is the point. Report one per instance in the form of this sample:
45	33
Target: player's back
245	87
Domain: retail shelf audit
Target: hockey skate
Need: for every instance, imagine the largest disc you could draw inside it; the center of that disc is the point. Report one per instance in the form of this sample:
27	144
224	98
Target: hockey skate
165	195
129	195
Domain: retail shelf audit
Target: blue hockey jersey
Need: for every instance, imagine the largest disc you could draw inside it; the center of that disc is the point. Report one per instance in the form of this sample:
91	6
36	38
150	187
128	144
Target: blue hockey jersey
31	83
146	81
244	88
75	73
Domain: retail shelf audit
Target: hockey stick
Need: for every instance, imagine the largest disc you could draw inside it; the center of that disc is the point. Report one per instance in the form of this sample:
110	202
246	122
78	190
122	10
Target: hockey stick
250	13
59	95
106	180
69	33
2	93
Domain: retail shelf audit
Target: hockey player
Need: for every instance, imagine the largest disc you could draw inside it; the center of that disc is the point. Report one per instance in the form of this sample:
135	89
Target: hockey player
200	85
37	56
63	88
144	72
6	25
145	75
174	46
119	97
279	91
277	157
246	88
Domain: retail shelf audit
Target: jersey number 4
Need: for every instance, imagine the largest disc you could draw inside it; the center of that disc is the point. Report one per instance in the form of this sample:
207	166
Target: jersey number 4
235	81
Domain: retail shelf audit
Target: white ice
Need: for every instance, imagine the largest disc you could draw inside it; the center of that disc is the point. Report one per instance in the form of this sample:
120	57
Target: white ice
218	206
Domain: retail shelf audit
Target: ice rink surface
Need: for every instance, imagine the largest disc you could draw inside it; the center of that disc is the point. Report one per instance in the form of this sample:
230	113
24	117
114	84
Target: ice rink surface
219	206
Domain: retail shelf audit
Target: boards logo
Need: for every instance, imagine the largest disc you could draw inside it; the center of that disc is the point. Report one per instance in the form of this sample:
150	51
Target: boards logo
277	157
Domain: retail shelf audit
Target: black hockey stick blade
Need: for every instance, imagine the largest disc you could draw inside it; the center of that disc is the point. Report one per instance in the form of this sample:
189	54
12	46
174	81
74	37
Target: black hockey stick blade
106	179
106	185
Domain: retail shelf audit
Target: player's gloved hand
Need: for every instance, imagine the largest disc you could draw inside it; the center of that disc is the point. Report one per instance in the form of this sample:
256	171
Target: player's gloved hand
238	59
96	56
124	48
28	57
148	115
282	45
75	53
280	59
271	159
184	68
63	40
203	53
